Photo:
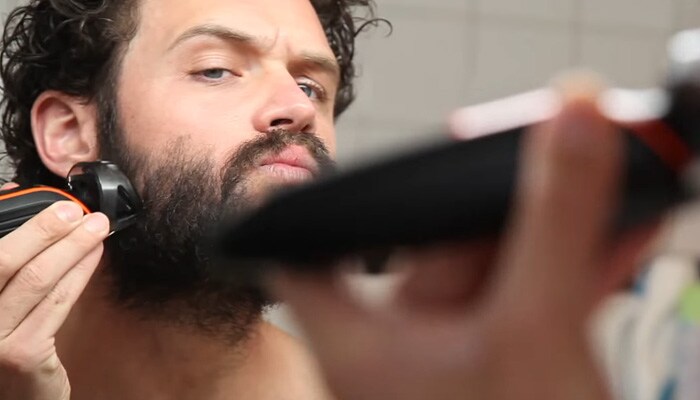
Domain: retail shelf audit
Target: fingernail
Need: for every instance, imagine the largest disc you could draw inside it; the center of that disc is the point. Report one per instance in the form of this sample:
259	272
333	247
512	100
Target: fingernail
69	212
96	223
579	85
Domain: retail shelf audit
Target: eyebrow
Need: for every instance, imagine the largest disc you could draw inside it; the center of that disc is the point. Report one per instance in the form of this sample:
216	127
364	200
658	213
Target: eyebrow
319	61
322	63
220	32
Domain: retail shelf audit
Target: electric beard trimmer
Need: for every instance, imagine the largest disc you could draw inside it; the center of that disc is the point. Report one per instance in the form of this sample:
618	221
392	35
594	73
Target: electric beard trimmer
463	190
95	186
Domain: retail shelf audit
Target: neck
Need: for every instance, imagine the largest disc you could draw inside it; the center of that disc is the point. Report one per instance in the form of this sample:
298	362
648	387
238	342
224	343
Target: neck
113	353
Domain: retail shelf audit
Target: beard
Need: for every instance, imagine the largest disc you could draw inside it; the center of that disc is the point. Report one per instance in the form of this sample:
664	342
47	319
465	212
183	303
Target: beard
161	267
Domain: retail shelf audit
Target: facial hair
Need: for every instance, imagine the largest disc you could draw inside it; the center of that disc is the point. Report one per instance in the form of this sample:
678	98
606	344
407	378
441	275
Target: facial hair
160	267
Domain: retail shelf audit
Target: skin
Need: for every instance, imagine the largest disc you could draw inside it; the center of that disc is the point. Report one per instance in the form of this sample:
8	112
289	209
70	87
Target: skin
187	75
260	90
485	320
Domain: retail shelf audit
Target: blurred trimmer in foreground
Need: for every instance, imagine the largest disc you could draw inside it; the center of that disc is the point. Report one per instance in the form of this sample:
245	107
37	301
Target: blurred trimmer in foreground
462	190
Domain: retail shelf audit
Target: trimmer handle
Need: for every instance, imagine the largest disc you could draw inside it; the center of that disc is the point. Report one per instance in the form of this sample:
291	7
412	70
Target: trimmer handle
96	187
19	205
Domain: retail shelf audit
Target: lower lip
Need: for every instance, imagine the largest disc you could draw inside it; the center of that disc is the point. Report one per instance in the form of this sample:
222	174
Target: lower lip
287	173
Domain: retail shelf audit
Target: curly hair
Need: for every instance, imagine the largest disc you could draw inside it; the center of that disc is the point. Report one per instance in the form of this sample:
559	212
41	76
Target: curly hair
76	47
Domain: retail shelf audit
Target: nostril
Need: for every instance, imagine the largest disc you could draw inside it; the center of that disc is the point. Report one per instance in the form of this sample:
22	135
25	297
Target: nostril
280	122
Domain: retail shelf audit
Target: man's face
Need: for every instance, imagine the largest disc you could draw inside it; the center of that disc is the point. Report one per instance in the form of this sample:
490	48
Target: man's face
218	73
218	102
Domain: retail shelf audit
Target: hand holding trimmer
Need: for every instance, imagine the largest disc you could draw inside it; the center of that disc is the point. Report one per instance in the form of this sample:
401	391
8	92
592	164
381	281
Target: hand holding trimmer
95	186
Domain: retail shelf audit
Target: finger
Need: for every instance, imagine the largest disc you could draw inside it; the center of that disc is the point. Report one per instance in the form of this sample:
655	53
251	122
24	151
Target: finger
9	186
36	280
48	317
27	241
445	275
324	308
566	194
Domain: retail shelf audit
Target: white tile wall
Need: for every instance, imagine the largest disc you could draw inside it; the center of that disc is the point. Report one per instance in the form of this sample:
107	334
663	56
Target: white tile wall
422	67
687	13
512	57
466	51
634	60
551	10
6	4
655	14
449	5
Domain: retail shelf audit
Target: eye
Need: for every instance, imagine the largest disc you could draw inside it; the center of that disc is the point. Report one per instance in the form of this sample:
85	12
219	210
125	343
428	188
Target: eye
214	74
313	90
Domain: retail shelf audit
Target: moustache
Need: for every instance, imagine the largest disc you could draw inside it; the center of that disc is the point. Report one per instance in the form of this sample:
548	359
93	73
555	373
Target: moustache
250	154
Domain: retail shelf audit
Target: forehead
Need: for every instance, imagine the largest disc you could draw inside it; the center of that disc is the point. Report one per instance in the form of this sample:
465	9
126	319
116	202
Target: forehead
162	21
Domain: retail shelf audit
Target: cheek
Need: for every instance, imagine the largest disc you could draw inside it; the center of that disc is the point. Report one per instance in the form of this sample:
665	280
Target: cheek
215	120
153	121
326	132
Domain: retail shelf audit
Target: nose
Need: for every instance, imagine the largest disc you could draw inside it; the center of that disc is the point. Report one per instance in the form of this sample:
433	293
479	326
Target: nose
287	107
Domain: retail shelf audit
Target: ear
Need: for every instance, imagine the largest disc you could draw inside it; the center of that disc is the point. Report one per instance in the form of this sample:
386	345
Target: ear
65	131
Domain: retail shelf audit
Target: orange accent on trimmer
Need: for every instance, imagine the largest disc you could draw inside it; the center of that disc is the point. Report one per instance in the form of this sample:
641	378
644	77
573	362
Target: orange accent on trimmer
46	189
665	142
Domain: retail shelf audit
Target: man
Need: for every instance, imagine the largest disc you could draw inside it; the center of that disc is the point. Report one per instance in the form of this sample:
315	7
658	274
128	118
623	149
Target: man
208	105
